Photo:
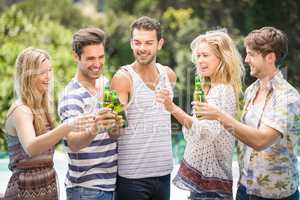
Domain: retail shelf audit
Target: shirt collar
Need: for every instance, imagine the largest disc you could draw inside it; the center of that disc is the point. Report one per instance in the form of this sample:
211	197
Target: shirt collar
273	83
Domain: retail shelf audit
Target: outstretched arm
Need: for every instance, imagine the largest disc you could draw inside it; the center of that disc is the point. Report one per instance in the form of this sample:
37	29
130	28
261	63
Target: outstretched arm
258	139
80	139
164	97
33	144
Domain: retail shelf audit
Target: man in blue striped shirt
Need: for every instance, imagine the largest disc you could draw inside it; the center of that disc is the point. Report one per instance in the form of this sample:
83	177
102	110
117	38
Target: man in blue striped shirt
92	156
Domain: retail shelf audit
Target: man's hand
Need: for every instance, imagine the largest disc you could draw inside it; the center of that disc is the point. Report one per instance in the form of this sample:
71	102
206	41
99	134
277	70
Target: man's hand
163	96
119	121
116	131
106	119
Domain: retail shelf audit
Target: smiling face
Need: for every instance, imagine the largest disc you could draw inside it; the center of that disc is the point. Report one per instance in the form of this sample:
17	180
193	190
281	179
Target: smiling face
41	79
145	45
256	62
90	63
206	61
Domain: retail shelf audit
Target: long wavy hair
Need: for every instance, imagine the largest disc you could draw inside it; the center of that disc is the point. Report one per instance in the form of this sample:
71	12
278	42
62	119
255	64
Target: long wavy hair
27	66
231	69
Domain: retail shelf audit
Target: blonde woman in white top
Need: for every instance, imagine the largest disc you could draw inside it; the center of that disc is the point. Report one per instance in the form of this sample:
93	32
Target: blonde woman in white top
206	168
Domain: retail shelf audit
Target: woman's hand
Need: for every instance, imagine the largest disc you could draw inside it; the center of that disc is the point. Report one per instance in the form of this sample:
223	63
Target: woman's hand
206	111
83	123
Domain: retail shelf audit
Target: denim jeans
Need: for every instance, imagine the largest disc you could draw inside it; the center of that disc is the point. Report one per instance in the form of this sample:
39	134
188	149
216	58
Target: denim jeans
242	195
154	188
81	193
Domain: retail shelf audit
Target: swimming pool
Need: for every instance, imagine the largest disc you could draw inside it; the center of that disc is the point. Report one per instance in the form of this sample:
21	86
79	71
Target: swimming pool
60	164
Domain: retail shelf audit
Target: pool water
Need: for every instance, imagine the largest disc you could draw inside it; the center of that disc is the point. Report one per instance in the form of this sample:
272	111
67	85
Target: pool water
60	164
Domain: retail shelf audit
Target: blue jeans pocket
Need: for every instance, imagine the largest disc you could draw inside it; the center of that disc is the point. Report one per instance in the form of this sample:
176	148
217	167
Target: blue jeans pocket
80	193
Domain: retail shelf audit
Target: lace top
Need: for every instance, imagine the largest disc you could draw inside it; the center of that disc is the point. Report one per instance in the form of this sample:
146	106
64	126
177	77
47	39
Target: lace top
209	147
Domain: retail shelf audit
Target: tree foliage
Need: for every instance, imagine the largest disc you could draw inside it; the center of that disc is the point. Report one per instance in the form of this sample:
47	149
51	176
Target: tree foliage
48	25
18	31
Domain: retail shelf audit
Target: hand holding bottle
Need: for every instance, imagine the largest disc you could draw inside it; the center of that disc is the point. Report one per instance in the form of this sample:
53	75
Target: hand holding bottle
118	108
206	111
163	96
85	123
198	96
106	119
120	122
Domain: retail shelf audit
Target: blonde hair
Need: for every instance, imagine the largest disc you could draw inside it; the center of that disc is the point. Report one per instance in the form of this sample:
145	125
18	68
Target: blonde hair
27	65
231	69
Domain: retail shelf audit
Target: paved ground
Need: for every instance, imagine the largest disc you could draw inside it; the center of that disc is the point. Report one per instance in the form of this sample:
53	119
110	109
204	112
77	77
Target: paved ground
60	161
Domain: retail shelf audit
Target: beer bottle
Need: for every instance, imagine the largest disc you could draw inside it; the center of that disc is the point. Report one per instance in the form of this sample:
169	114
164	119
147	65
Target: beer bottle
162	83
118	107
198	91
107	98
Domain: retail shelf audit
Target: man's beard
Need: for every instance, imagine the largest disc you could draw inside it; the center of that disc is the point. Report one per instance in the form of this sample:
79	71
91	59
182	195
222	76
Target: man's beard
91	75
145	62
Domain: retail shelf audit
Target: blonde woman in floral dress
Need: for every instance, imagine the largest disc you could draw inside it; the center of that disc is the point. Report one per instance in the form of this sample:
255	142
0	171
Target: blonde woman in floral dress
206	168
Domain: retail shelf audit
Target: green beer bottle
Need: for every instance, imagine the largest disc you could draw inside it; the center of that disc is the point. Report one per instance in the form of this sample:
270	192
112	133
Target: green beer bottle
118	107
198	91
107	98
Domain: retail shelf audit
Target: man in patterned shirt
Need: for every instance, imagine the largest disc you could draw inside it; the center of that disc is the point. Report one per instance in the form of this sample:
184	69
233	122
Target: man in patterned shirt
270	122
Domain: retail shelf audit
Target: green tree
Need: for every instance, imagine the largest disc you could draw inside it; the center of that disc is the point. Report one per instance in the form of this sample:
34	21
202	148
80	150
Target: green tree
17	32
63	12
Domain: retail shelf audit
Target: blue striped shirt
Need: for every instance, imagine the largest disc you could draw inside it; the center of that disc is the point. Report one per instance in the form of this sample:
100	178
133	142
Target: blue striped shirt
94	166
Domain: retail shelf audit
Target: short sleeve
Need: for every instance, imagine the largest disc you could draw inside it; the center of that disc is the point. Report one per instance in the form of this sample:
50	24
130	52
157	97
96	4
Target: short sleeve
283	115
70	105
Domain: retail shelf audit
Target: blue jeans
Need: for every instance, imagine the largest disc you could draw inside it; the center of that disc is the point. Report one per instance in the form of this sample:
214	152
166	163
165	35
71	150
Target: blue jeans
242	195
81	193
153	188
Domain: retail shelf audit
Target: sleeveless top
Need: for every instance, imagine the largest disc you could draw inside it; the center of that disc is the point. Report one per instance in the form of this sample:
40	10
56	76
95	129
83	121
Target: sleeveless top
144	149
34	177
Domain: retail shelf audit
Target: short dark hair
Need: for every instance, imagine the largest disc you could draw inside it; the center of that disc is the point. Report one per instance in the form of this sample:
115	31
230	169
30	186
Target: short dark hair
146	23
267	40
85	37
